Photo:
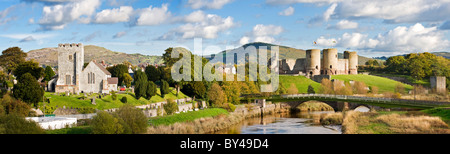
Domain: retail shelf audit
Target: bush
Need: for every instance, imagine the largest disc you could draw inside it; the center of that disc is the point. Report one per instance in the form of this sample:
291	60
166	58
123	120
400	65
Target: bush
132	119
292	89
164	88
124	100
16	124
113	95
229	107
170	107
13	106
105	123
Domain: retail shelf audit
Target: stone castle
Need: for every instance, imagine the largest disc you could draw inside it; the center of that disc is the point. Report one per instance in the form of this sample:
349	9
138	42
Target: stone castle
314	64
73	78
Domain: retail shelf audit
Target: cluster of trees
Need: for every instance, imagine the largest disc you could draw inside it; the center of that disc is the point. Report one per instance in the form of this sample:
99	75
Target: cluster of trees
419	66
12	117
126	120
27	73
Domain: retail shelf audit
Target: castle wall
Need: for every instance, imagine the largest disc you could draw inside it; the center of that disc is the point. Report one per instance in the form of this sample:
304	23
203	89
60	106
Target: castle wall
312	62
342	67
329	61
438	83
352	61
292	66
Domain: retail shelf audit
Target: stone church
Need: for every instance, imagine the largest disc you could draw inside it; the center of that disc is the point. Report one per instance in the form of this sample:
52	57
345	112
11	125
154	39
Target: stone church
73	78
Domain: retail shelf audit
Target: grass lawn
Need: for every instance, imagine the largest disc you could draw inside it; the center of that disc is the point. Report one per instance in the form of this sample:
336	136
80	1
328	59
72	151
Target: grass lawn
300	82
106	102
440	112
187	116
383	84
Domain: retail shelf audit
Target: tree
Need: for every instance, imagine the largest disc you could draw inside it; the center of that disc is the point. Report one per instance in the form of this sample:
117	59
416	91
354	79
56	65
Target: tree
216	96
396	64
170	107
105	123
164	88
13	106
12	57
196	89
118	71
232	91
140	88
151	89
31	67
28	89
153	73
48	73
16	124
127	79
133	119
140	82
311	90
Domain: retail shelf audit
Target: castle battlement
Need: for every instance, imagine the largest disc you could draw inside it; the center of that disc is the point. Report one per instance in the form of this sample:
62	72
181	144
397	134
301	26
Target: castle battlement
70	45
326	63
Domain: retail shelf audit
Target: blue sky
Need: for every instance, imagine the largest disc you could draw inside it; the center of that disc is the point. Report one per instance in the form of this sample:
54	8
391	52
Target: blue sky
373	28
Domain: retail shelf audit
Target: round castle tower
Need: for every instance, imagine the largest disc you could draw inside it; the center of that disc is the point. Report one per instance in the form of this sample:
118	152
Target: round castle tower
330	61
312	62
352	61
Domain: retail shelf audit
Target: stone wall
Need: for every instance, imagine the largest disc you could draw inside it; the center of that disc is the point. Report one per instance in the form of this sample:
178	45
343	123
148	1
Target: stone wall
438	83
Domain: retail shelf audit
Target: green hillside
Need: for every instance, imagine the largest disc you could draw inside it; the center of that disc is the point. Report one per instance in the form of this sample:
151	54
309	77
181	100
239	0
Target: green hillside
383	84
75	101
301	82
49	56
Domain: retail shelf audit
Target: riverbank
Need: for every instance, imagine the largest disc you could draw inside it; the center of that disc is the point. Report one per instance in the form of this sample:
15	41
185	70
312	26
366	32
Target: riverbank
392	123
209	125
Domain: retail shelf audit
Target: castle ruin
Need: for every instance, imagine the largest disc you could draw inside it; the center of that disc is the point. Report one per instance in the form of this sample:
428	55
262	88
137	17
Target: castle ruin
316	64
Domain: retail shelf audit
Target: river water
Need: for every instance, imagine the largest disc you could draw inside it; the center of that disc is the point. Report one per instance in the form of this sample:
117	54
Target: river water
298	123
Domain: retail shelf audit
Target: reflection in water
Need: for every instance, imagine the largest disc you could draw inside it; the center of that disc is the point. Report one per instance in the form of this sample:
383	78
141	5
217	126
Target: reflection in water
282	124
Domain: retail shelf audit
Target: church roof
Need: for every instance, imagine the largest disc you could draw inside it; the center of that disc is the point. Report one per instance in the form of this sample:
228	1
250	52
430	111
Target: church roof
113	80
102	68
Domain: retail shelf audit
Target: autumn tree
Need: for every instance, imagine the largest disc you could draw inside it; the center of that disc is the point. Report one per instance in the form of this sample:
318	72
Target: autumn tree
216	96
11	58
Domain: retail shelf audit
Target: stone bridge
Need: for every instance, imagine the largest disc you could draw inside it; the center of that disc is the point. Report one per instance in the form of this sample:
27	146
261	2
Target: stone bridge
358	99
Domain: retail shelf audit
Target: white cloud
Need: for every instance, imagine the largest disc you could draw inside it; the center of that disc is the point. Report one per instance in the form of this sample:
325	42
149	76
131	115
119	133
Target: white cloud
345	24
287	12
278	2
115	15
196	16
208	27
244	40
209	4
56	17
153	16
324	17
262	33
416	38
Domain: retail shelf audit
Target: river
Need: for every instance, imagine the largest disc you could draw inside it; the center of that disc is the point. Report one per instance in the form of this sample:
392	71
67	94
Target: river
297	123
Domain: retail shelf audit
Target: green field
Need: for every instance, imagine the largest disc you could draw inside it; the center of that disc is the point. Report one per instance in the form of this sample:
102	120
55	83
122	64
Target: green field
187	116
300	82
76	101
383	84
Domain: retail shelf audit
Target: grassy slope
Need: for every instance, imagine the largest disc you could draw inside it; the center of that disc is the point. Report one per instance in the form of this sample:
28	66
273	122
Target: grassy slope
300	82
383	84
188	116
106	102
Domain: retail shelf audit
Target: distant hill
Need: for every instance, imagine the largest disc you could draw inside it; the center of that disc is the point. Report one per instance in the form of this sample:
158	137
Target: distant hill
443	54
49	56
284	52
